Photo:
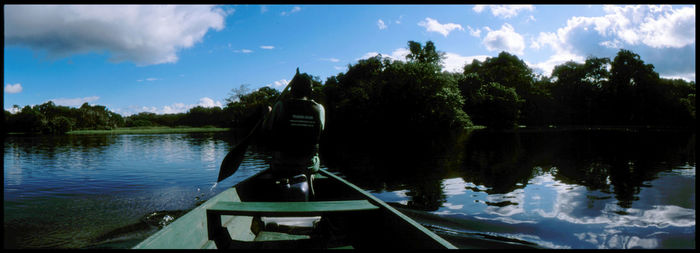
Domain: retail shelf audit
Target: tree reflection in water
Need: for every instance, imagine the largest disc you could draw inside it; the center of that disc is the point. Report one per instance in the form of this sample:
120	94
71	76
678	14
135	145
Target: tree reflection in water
551	187
619	162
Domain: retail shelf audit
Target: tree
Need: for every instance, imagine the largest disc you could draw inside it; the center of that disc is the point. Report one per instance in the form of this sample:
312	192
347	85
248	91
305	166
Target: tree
577	88
29	120
571	91
236	94
427	54
60	125
394	99
509	71
246	109
498	107
506	69
631	88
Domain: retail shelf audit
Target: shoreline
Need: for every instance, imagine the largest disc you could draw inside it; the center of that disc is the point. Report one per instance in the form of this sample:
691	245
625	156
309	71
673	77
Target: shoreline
150	130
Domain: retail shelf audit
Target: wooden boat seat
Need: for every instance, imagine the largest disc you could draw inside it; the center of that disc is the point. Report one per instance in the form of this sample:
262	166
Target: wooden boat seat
279	209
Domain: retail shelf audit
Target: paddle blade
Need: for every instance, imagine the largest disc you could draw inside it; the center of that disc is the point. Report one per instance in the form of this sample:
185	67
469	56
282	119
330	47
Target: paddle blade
232	160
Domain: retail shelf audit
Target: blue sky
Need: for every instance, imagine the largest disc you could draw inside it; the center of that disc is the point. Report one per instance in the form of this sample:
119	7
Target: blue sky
167	59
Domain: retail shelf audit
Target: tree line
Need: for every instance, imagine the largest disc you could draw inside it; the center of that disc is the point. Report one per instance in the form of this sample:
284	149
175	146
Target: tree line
48	118
242	108
382	96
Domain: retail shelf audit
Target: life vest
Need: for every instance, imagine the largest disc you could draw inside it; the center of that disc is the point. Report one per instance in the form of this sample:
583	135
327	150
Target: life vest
297	131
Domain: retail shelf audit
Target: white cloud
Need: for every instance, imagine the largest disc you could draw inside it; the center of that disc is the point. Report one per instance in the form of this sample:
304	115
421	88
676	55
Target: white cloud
398	54
661	35
653	26
13	88
475	33
432	25
13	110
685	76
381	24
479	8
531	18
169	109
174	108
547	66
263	9
367	55
150	79
75	102
673	29
504	11
330	59
208	102
143	34
505	39
245	51
293	10
611	44
455	62
279	84
267	47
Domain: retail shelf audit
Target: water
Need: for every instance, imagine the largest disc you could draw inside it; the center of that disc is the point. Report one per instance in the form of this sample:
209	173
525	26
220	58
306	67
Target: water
70	191
554	189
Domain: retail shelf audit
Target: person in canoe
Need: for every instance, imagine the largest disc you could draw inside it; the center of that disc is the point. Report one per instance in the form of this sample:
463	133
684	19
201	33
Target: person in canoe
293	130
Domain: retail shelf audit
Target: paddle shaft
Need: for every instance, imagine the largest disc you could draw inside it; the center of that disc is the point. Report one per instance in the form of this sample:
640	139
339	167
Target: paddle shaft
233	159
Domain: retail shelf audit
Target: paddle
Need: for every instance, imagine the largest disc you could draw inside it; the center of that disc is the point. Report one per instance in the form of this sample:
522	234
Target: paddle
233	159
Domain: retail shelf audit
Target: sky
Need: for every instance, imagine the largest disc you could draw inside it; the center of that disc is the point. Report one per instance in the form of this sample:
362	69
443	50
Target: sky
168	59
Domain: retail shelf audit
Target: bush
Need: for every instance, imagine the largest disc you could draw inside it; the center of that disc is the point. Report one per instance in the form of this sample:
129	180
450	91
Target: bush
61	125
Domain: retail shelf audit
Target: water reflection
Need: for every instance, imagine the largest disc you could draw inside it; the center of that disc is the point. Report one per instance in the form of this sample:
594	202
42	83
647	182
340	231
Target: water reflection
556	189
64	191
577	189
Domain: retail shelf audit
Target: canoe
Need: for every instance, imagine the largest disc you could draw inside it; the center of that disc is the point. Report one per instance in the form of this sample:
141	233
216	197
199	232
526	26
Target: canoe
341	215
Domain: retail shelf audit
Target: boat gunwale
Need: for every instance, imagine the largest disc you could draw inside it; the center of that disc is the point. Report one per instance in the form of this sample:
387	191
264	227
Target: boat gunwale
366	195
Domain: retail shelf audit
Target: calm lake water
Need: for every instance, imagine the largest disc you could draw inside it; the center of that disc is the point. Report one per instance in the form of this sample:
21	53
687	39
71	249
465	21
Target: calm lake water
554	189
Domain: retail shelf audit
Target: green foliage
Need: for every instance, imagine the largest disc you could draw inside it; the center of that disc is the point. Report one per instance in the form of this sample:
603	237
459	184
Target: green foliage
418	94
506	69
427	54
382	97
378	97
689	105
28	120
202	116
48	118
244	109
624	91
511	72
576	89
60	125
497	107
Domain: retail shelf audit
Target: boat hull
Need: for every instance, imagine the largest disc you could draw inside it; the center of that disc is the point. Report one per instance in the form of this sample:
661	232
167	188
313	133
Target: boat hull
379	227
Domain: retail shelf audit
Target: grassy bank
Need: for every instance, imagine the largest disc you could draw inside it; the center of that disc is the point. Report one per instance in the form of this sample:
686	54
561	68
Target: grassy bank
151	130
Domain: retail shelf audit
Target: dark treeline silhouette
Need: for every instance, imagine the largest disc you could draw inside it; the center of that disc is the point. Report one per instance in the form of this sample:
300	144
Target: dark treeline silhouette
49	118
382	98
397	103
242	108
502	92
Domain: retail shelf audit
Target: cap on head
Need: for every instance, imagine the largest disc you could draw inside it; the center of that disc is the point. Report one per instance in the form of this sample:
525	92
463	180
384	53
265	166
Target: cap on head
301	85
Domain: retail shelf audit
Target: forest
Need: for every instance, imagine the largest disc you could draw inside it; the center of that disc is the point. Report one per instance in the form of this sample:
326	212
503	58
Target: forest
383	96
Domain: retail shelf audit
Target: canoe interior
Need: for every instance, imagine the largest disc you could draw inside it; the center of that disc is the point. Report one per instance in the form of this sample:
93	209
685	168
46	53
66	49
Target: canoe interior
382	227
